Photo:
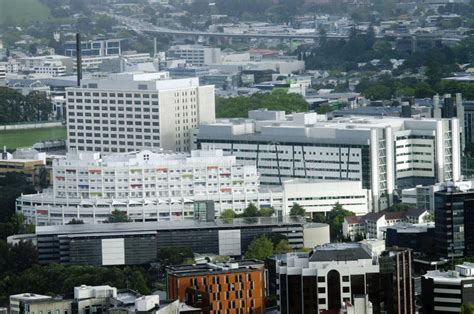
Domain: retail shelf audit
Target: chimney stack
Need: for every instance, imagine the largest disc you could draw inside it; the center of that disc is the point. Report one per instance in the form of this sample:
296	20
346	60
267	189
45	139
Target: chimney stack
78	59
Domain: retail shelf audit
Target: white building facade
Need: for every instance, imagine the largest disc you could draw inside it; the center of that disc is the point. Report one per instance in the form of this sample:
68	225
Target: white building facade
164	186
131	111
382	153
197	55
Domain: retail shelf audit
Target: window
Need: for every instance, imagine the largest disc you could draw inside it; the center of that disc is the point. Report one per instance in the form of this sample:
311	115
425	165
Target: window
345	289
321	279
345	278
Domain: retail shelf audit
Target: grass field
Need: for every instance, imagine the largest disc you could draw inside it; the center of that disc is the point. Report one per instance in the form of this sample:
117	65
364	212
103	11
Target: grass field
24	138
24	12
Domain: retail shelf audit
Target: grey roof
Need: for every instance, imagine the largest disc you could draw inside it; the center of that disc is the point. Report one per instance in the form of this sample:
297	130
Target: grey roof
140	227
370	111
339	252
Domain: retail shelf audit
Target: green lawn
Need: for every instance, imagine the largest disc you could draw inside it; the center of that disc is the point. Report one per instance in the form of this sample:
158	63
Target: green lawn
24	138
23	12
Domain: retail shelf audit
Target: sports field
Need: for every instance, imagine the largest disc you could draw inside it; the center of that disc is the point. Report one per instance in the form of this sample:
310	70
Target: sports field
24	138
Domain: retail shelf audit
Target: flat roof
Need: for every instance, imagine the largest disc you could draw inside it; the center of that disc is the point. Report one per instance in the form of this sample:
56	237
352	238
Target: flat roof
209	269
339	252
131	227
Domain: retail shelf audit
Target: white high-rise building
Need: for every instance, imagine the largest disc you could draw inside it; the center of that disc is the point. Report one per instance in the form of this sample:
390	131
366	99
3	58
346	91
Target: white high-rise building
134	111
384	153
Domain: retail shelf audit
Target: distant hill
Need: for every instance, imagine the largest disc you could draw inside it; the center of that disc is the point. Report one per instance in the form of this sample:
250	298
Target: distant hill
22	12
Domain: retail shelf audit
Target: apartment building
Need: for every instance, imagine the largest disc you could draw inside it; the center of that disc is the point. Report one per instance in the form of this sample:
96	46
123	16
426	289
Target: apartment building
227	288
133	111
196	55
383	153
151	186
374	225
148	186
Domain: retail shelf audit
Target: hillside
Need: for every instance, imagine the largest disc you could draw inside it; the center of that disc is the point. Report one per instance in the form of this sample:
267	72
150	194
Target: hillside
22	12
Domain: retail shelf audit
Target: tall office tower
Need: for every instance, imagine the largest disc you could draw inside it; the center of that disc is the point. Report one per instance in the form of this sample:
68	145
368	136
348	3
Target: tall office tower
131	111
454	222
384	153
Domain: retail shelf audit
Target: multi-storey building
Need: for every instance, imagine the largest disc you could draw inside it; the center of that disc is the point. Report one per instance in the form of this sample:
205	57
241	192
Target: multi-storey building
383	153
454	222
447	292
99	47
373	225
230	288
196	55
131	111
148	186
164	186
334	274
331	275
54	68
396	276
132	243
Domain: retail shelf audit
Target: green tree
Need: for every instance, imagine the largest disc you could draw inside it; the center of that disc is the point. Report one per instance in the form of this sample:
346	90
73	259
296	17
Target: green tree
259	248
266	212
400	207
335	218
250	211
118	216
174	255
319	217
297	210
228	214
428	218
238	107
283	247
467	308
75	221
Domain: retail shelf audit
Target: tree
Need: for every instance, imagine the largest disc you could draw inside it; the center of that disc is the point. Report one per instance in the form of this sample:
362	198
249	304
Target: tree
319	217
117	216
467	308
259	248
297	210
250	211
75	221
283	247
228	214
266	212
400	207
335	218
428	218
174	255
238	107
